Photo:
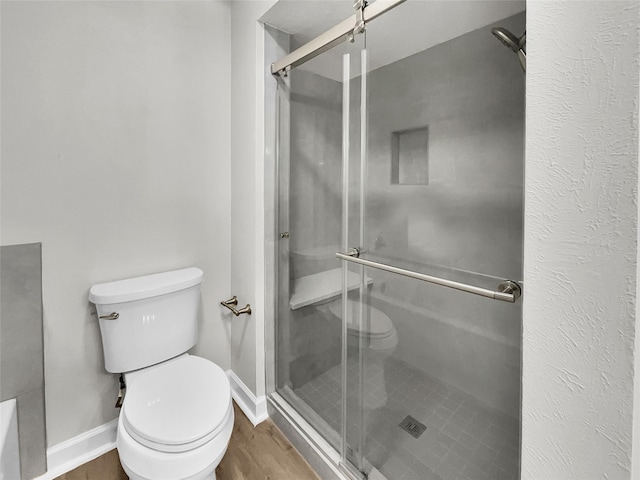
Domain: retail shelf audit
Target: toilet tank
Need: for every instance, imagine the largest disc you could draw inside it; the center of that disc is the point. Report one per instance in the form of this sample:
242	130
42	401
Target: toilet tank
157	318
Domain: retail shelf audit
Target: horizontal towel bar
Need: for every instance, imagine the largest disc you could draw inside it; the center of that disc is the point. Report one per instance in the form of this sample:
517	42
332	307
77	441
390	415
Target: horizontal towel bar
232	302
508	290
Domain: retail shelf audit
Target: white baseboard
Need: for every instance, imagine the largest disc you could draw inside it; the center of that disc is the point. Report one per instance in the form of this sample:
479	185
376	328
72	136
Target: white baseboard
72	453
254	408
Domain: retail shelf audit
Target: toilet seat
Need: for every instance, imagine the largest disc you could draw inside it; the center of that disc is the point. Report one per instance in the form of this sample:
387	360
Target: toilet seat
178	405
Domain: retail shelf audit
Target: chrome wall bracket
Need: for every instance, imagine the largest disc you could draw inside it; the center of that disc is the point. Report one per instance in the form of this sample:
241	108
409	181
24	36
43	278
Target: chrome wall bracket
510	287
232	302
353	252
345	30
358	6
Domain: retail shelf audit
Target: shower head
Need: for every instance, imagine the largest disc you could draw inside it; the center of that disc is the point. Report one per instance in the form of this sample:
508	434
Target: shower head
507	38
516	44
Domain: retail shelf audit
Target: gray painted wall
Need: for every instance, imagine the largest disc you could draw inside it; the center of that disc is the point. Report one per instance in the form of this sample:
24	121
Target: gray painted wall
247	278
115	155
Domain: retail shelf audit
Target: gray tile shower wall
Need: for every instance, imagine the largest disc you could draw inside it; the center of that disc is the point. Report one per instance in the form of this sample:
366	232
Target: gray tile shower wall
316	170
469	92
22	349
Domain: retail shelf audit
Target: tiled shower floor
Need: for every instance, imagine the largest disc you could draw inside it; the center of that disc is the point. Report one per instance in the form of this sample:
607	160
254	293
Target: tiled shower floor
464	440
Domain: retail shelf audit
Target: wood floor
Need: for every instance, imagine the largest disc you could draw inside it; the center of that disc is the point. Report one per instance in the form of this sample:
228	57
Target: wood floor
254	453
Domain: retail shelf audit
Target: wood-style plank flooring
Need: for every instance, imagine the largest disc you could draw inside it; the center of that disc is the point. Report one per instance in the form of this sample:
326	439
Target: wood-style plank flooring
254	453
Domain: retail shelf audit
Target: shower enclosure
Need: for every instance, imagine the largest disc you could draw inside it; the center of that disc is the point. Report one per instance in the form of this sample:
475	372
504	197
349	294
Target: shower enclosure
399	221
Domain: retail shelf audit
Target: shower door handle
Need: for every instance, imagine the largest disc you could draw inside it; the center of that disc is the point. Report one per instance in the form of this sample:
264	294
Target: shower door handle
508	290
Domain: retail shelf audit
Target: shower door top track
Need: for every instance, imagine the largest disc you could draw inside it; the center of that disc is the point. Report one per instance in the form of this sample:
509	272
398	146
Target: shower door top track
334	36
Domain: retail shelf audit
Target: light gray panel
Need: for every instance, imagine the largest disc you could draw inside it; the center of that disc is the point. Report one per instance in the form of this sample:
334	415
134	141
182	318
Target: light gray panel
33	440
22	350
22	360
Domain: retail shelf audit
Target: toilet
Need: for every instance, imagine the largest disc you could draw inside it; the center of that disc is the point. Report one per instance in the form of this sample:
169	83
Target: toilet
177	416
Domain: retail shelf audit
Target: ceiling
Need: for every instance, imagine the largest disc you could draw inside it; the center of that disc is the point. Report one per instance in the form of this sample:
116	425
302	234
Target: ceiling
411	27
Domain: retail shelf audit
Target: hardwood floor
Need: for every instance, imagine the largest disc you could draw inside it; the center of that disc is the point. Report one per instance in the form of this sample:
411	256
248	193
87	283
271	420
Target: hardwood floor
262	452
106	467
254	453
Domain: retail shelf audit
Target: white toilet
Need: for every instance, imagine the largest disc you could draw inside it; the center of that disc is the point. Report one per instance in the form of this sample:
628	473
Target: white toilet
177	416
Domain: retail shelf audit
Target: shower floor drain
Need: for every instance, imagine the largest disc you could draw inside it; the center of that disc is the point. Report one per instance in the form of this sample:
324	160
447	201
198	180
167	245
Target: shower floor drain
412	426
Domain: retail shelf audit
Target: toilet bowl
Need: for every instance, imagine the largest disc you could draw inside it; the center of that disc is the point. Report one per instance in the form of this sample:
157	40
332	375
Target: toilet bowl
177	415
176	420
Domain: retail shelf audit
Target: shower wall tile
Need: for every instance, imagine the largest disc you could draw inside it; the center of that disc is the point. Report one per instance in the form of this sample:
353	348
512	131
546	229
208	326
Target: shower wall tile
470	93
316	170
315	344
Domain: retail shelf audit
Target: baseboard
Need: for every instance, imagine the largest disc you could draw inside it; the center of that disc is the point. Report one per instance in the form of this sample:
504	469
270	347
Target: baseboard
254	408
72	453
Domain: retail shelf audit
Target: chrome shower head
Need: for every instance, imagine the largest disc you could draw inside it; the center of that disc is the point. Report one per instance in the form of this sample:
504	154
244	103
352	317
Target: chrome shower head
517	45
507	38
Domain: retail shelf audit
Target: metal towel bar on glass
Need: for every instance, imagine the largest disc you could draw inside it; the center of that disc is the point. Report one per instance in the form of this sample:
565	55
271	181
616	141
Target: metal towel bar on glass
508	290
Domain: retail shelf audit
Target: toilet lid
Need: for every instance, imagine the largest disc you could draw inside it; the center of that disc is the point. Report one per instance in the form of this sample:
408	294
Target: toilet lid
376	324
178	405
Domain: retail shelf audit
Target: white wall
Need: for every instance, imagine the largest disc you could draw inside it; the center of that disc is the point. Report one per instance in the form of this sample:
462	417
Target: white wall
115	155
247	190
580	239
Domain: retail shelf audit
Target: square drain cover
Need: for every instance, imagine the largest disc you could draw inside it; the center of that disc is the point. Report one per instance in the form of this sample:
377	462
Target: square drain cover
412	426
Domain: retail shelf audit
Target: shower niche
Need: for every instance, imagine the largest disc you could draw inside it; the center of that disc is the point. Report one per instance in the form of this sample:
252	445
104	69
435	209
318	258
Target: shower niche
410	157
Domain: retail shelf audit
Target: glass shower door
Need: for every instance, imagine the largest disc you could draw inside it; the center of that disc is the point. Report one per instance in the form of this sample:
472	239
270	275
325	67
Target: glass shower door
311	140
433	334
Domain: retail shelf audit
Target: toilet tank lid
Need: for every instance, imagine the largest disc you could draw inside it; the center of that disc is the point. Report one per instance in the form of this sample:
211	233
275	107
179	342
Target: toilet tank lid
146	286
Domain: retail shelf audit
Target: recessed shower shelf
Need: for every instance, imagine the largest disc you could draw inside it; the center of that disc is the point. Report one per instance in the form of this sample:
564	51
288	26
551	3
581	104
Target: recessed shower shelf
320	286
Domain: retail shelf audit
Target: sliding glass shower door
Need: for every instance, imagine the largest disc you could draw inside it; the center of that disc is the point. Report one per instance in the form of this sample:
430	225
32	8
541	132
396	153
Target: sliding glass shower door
433	337
313	106
400	215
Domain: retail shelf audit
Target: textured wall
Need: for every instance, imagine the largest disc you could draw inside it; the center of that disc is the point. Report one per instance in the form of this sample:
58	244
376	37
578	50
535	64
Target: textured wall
580	239
115	155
